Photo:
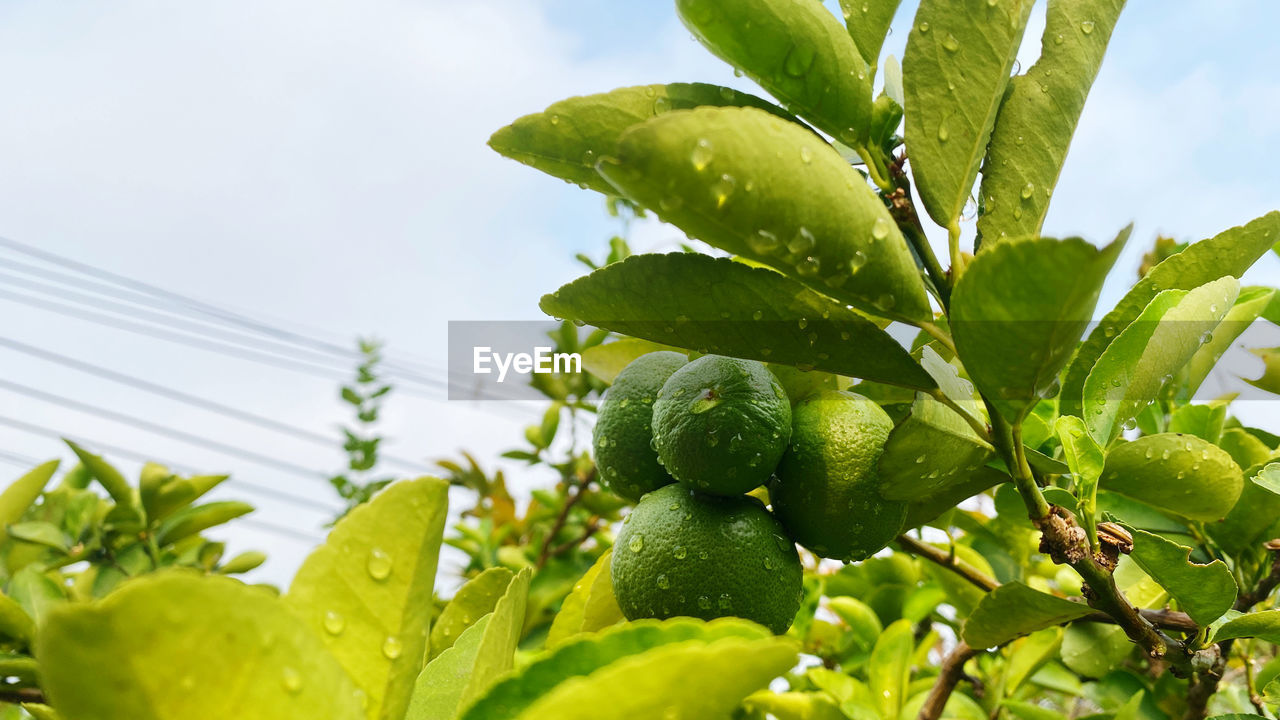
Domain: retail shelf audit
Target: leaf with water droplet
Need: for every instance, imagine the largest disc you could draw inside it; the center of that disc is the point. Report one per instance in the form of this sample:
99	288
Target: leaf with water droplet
568	138
1207	495
798	52
867	22
947	129
589	607
1043	106
475	599
378	563
244	637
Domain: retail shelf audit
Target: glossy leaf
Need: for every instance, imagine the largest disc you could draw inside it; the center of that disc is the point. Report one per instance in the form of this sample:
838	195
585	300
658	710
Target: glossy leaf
1147	354
589	607
868	24
474	600
483	653
1230	252
757	186
131	656
35	592
1094	649
15	623
192	520
702	679
1270	379
23	492
1020	308
1204	592
1038	117
605	361
889	670
569	137
106	475
1254	518
955	70
1247	308
367	590
929	451
180	492
721	306
1028	654
796	50
793	706
1014	609
864	626
583	655
1181	474
1264	625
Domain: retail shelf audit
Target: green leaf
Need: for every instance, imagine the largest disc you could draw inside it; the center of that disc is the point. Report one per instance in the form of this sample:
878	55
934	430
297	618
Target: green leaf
1204	592
242	563
1029	654
1253	518
1086	460
179	493
1038	117
1150	351
1094	649
1181	474
1270	380
864	625
367	590
569	137
1247	308
15	623
1268	478
1014	609
793	706
473	601
699	677
868	24
192	520
40	533
1019	309
1231	252
889	670
23	492
483	653
131	655
721	306
605	361
35	592
589	607
757	186
1204	421
929	451
583	655
106	475
926	510
1031	711
1264	625
796	50
955	69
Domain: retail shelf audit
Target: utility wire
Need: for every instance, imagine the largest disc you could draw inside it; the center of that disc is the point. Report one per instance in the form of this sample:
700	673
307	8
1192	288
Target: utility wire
280	495
227	316
193	400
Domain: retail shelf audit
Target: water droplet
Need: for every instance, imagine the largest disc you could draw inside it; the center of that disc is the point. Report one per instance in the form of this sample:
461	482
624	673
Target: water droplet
704	602
391	647
636	544
1017	213
1109	331
1028	190
857	261
728	94
379	564
766	351
806	155
555	119
1206	338
1131	423
943	134
809	267
701	155
885	302
725	602
920	460
803	242
661	105
334	623
292	681
663	582
924	27
670	203
722	189
680	552
951	43
1086	27
768	563
702	555
757	315
1059	39
1149	454
880	229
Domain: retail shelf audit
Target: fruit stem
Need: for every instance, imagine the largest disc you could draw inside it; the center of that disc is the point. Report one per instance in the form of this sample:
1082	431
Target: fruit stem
946	560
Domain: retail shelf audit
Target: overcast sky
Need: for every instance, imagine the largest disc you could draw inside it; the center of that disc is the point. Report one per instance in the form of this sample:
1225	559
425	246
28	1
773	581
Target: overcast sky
322	165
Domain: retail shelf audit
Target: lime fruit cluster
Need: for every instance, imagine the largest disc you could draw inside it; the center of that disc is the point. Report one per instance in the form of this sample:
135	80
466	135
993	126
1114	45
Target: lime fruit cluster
622	436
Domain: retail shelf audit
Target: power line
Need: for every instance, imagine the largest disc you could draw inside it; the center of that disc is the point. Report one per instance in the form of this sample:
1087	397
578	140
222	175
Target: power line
225	315
280	495
166	431
196	401
25	461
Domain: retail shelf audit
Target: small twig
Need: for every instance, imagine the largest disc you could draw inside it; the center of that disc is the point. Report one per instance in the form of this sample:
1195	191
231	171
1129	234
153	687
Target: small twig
948	561
563	517
1163	619
23	695
950	674
592	528
904	212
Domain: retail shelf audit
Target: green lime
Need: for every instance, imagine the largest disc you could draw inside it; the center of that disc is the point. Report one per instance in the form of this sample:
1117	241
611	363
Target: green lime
622	437
826	489
721	424
681	553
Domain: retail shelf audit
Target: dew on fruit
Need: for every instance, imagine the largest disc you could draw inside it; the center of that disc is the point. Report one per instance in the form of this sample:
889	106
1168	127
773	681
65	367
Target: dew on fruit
704	602
725	602
663	582
636	544
806	155
680	552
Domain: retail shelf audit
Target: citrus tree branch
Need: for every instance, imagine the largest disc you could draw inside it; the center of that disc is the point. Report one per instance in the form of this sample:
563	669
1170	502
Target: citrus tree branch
903	210
949	561
951	672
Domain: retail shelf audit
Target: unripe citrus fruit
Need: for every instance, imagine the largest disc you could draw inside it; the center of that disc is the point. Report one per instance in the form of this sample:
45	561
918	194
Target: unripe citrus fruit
682	553
622	437
826	489
721	424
